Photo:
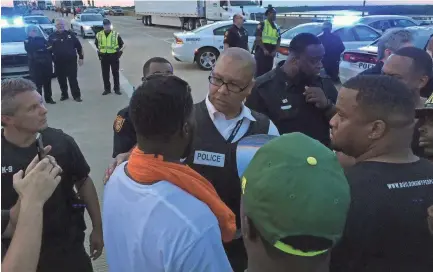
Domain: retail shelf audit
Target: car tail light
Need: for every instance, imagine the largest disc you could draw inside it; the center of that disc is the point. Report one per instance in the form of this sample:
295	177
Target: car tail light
355	57
178	40
283	51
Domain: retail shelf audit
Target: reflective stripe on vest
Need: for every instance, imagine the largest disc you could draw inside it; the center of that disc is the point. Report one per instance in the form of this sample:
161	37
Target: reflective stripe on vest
108	44
269	34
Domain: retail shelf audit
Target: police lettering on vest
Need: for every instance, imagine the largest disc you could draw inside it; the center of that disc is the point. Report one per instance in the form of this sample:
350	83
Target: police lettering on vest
209	158
108	44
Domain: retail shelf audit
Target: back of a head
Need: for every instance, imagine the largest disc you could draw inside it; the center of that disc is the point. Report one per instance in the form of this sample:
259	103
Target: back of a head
383	98
422	62
393	40
160	107
301	41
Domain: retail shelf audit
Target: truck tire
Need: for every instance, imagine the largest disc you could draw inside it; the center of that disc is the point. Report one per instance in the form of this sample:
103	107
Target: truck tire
206	58
191	24
144	20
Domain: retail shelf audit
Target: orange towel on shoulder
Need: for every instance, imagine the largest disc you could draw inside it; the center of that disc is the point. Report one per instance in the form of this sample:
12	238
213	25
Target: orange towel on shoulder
146	168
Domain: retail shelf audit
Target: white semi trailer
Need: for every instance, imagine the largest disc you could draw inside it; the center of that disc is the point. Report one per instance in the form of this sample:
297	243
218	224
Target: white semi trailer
192	14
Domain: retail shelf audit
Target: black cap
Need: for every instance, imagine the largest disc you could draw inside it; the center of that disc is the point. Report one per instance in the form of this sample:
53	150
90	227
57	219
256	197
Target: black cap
106	22
270	9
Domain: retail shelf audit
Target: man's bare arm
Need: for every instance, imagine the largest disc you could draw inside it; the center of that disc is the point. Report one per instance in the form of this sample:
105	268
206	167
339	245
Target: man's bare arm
87	192
23	253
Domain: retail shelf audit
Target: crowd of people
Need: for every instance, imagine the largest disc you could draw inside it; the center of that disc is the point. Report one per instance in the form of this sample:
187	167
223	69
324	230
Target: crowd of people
348	186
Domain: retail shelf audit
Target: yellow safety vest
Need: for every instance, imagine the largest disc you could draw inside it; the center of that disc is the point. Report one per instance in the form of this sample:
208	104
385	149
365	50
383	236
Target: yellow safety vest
108	44
269	34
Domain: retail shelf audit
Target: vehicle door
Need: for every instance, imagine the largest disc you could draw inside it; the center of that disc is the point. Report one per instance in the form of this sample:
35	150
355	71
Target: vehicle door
382	25
219	36
348	38
364	36
402	23
251	28
213	10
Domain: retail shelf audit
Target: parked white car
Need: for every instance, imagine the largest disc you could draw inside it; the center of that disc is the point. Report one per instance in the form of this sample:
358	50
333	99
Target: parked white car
204	44
14	58
353	36
385	22
356	61
87	24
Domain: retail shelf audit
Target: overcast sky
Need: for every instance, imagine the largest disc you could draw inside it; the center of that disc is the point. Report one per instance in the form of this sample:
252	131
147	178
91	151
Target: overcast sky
276	2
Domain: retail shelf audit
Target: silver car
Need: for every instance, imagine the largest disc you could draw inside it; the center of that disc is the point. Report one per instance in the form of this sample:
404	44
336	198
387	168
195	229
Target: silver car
42	21
356	61
353	36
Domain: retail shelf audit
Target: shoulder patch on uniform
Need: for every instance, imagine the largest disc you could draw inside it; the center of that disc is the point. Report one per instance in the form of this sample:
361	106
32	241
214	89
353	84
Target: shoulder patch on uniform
118	123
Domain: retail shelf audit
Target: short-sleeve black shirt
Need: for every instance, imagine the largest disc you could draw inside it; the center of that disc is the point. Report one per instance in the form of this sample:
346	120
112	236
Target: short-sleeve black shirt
124	133
282	100
236	37
386	228
59	216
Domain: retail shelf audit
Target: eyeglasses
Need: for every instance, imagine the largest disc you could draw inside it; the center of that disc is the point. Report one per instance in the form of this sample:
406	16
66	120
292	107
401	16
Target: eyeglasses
231	87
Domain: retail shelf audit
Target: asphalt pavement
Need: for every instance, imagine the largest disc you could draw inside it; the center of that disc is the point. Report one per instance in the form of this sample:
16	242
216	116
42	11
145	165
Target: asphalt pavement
90	122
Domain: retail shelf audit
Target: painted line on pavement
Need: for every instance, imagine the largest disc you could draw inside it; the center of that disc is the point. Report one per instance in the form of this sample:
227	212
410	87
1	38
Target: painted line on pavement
124	82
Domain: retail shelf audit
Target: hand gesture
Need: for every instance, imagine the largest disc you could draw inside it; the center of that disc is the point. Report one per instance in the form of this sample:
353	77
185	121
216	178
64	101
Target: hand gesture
316	96
39	184
116	161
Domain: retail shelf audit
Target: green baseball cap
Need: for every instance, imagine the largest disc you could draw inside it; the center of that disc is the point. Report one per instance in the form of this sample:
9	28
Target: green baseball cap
295	186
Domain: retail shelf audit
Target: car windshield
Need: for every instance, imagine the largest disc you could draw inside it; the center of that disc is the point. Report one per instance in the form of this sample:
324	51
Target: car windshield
91	11
96	17
243	3
16	34
39	20
291	33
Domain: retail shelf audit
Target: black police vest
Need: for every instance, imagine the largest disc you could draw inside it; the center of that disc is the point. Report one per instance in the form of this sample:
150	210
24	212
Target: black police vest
215	159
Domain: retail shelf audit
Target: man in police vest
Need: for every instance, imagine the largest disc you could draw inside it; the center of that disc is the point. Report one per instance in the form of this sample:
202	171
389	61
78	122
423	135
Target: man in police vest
267	42
110	47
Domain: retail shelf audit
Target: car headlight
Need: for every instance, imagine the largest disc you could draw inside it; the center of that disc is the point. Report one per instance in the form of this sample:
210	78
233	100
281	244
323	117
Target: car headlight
86	27
18	21
3	22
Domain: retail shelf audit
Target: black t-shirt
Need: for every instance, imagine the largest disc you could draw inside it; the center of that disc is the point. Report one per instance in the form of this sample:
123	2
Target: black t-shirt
124	133
236	37
386	229
59	216
282	100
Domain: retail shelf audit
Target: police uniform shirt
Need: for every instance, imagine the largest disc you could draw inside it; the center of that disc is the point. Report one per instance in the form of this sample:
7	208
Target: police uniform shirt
259	31
282	100
63	226
65	46
38	50
236	37
124	133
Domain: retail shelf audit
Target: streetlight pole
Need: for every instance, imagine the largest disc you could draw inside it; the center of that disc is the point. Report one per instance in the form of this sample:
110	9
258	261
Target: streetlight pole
363	8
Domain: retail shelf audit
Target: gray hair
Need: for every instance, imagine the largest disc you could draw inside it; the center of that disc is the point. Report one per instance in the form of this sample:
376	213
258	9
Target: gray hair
393	40
57	20
11	88
30	28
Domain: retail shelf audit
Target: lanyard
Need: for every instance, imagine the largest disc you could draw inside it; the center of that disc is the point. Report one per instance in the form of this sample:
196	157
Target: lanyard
235	131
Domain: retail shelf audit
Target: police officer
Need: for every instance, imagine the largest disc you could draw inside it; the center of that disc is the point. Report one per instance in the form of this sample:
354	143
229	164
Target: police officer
65	47
222	121
267	42
124	133
110	48
236	35
40	62
333	49
294	96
